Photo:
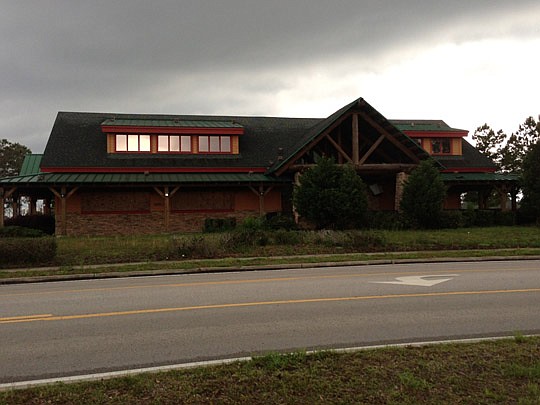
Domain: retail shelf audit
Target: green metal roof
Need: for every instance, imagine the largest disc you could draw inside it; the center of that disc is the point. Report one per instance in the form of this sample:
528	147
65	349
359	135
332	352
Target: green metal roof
460	177
139	178
31	164
170	123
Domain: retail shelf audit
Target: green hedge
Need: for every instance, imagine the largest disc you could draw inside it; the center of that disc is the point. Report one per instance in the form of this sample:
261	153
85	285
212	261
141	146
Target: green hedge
27	251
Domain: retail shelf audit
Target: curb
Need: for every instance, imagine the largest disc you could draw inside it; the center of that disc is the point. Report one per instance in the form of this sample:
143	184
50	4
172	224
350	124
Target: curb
202	270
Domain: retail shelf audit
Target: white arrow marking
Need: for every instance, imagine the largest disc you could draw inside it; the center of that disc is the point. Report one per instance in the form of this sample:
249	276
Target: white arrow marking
423	281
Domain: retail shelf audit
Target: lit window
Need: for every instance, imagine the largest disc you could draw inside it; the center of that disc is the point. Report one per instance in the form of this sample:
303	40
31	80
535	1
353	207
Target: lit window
215	144
225	144
121	143
185	143
133	143
144	143
203	144
174	144
163	144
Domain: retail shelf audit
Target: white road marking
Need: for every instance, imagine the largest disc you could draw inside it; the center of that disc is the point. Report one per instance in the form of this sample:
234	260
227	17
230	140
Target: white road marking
423	281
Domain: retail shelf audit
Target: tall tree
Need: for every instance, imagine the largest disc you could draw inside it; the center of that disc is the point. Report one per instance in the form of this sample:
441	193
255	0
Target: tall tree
423	196
488	142
507	151
331	196
11	157
531	182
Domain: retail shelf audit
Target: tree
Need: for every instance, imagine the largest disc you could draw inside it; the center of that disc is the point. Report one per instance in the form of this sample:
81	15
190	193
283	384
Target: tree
507	151
331	196
488	142
11	157
423	196
531	182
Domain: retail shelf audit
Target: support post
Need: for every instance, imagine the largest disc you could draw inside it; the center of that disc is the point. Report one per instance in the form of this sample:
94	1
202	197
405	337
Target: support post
63	195
400	181
1	207
166	194
355	140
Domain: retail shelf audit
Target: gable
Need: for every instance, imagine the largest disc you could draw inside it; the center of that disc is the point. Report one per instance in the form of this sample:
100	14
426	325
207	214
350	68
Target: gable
356	134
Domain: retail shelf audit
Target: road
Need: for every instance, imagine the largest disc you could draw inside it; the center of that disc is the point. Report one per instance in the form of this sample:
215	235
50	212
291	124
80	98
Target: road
80	327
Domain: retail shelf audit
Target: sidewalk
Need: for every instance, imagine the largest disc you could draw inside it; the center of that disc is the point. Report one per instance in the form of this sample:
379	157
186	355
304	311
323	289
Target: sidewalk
236	268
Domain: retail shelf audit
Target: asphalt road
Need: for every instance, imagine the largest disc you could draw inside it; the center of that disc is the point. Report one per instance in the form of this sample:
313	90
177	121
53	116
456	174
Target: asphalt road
80	327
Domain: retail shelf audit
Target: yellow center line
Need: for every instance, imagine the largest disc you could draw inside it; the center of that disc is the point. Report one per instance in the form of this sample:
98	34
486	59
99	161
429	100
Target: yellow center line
262	303
255	281
25	317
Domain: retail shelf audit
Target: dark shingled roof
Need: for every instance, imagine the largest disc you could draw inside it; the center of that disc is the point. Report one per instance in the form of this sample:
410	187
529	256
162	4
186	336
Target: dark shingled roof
77	141
470	159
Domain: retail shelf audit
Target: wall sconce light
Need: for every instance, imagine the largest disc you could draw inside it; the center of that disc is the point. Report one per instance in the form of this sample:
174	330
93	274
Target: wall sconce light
166	194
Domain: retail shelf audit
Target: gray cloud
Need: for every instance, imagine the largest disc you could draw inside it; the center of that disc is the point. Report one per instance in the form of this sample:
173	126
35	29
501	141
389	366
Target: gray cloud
200	54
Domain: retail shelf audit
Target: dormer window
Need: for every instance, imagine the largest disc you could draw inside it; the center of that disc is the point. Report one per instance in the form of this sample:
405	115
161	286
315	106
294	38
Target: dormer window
132	143
172	136
174	143
441	146
214	144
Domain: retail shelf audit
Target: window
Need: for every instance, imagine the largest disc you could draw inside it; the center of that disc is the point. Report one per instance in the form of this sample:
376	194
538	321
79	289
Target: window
174	143
133	143
440	146
215	144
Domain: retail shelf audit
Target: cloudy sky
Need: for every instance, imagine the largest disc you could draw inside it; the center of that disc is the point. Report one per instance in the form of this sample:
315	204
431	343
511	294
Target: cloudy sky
465	61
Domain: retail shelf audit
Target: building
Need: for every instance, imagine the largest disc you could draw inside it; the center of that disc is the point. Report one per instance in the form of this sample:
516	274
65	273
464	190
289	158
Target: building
139	173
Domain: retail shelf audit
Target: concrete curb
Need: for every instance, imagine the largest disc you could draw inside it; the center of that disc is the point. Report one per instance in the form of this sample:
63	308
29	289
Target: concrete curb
200	270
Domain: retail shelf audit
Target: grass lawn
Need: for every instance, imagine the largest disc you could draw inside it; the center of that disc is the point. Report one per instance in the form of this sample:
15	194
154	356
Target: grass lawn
195	251
504	371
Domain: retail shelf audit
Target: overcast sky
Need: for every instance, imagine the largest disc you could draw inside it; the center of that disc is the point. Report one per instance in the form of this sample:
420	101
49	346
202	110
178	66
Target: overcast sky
465	61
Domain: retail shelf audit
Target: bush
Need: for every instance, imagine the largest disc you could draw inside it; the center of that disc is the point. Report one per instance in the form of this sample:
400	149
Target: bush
352	240
219	224
27	251
331	196
44	223
284	237
423	196
193	247
451	219
390	220
280	221
20	232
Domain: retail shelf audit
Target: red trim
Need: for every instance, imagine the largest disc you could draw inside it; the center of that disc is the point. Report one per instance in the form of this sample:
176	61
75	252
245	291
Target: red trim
438	134
118	129
115	212
152	170
203	210
470	170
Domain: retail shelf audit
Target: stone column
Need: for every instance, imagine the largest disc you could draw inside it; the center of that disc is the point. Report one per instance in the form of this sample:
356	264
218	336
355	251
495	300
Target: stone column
401	177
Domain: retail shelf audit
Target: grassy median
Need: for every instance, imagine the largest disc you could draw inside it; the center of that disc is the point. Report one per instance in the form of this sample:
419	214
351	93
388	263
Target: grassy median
504	371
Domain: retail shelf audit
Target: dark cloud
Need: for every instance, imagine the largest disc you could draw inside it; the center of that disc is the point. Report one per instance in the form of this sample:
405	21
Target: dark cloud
92	55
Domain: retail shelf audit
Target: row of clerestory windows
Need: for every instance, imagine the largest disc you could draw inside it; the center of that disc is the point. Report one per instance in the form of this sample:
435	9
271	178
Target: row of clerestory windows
173	143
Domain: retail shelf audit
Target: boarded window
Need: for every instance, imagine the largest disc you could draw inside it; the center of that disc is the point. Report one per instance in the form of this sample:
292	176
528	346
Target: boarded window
115	201
203	201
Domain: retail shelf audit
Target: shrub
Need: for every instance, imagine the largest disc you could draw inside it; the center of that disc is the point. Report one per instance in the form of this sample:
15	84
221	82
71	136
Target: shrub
451	219
280	221
183	247
423	196
331	196
27	251
284	237
20	232
44	223
391	220
219	224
